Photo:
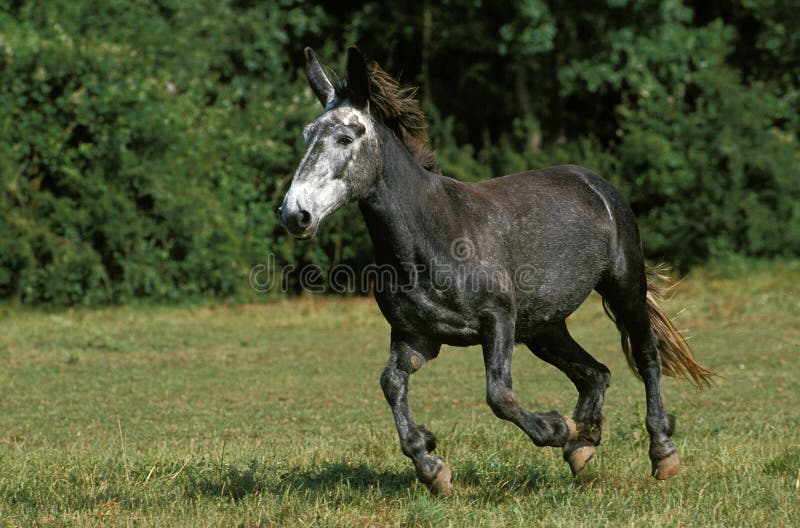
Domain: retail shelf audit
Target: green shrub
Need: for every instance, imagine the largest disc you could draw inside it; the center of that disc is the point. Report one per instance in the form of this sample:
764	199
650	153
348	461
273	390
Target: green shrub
144	146
142	162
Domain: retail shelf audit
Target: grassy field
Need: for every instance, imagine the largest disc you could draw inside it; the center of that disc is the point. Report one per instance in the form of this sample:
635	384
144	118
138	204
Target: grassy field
272	414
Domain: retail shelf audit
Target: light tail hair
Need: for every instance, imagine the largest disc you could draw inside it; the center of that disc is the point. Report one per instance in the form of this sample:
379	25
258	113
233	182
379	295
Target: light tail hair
675	356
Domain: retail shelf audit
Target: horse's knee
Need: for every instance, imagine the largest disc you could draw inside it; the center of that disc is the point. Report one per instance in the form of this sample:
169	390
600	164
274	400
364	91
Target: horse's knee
392	382
502	402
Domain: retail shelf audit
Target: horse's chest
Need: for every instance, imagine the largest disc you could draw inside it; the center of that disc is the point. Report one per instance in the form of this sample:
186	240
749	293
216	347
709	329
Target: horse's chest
430	312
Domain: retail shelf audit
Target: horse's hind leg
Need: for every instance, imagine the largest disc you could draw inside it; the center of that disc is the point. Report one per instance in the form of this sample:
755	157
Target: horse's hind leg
634	319
660	425
545	429
407	355
590	377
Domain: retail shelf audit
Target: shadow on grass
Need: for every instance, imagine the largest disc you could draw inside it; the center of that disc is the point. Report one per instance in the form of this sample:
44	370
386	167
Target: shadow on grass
358	477
225	480
343	479
496	480
237	482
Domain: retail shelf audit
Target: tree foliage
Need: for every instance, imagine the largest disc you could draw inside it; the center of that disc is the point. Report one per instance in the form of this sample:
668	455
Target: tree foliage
145	145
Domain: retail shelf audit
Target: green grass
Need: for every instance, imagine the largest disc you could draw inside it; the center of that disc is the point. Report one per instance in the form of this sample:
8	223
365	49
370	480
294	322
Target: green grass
262	415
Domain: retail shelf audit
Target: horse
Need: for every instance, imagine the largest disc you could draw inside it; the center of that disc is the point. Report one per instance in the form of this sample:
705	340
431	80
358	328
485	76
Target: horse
493	263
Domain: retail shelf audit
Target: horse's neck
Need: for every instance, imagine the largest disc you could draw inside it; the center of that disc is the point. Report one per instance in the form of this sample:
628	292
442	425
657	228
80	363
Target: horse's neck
397	212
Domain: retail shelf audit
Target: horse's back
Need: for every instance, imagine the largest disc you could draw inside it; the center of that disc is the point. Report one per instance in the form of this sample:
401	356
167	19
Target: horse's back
566	228
565	186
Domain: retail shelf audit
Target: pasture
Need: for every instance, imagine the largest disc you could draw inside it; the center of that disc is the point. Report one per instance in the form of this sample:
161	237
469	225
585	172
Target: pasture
272	415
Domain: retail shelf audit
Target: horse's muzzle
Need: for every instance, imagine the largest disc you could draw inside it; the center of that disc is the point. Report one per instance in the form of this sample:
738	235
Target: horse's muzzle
299	222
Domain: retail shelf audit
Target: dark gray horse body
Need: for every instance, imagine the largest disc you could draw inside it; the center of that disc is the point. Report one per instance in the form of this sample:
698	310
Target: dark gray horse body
490	263
567	218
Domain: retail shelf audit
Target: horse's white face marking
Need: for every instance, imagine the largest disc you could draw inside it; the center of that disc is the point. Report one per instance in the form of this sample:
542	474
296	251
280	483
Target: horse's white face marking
340	165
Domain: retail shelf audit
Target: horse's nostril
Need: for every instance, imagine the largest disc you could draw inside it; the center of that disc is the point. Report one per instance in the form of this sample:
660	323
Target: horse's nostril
305	219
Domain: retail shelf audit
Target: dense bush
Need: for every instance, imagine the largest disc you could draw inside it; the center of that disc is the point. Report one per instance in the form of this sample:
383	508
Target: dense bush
144	149
708	162
145	145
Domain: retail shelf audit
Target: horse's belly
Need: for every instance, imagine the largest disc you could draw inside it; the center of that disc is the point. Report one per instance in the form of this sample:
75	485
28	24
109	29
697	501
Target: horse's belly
452	316
419	312
538	310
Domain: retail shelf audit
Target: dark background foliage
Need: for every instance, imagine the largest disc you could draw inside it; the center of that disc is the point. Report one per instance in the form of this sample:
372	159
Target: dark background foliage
145	145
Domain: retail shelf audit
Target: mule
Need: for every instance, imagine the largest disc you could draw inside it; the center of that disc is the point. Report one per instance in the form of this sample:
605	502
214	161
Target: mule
494	263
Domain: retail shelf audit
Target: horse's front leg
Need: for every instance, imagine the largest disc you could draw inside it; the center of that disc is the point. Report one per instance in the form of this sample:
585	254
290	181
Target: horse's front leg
590	377
408	354
545	429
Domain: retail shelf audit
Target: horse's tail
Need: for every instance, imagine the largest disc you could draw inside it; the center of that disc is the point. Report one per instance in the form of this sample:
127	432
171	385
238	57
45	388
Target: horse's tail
677	359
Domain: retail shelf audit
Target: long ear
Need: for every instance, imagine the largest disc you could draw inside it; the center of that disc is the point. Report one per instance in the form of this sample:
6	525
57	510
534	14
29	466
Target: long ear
318	79
357	78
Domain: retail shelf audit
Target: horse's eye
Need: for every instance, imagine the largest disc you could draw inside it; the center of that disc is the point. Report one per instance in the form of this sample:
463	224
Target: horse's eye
344	140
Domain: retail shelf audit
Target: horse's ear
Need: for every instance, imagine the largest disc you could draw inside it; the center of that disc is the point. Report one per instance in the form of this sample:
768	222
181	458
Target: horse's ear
357	78
318	79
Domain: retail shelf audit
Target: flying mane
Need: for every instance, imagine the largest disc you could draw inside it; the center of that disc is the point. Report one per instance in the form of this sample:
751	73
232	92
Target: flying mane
397	109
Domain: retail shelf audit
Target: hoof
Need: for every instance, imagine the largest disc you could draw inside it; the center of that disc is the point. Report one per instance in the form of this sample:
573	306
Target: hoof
441	486
578	458
666	467
573	428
